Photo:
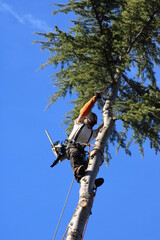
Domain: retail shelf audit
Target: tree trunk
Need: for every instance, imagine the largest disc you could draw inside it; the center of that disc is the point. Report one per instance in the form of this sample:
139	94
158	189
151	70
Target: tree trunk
86	193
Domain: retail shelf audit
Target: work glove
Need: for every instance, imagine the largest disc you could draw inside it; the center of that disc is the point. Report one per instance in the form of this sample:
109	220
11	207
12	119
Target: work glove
98	95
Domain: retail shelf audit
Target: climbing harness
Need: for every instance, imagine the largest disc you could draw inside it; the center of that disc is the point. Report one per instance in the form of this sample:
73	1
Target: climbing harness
63	208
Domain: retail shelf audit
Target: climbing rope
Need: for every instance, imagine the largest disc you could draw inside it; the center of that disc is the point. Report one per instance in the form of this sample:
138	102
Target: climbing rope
65	233
63	208
89	148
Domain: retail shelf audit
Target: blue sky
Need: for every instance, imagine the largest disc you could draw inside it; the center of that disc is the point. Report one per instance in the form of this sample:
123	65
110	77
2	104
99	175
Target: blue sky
126	207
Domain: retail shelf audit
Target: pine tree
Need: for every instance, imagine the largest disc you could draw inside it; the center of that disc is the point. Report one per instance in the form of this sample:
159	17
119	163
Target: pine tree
108	42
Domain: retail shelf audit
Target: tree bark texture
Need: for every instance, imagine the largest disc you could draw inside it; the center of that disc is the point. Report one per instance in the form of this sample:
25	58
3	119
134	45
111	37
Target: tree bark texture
86	193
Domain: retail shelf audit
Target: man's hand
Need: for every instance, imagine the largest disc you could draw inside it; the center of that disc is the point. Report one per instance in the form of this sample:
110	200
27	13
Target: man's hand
98	95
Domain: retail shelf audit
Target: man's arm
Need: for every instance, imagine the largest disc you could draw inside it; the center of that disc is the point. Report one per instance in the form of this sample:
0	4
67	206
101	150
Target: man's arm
86	109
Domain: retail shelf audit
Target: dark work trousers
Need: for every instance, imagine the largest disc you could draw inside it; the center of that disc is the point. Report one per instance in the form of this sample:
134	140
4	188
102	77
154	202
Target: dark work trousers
76	156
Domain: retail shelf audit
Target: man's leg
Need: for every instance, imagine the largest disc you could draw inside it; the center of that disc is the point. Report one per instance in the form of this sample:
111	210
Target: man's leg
76	158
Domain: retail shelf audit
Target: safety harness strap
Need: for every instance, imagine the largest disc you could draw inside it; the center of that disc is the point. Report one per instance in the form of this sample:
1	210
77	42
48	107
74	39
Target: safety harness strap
77	134
79	131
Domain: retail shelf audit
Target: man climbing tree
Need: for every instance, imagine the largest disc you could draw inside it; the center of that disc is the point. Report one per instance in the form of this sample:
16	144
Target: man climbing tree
114	46
80	136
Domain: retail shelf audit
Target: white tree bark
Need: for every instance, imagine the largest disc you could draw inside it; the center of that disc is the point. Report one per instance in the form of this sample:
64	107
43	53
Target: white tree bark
86	194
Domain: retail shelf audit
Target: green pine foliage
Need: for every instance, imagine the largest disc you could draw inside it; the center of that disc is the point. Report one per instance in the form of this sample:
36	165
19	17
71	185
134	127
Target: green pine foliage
105	36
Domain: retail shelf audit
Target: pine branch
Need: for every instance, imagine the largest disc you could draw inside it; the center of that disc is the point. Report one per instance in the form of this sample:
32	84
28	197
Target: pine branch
132	84
143	29
75	45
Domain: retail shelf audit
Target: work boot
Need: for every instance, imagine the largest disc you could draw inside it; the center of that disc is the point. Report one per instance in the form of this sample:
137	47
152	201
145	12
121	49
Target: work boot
98	182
